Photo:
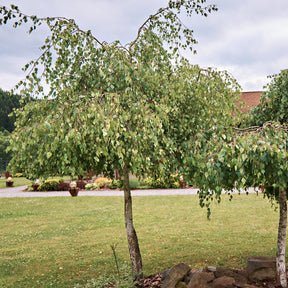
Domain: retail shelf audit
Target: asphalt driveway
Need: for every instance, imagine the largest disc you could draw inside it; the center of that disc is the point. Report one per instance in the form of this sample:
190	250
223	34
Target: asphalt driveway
20	192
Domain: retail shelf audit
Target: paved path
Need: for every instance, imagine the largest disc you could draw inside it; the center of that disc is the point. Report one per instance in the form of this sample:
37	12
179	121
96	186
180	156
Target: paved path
20	192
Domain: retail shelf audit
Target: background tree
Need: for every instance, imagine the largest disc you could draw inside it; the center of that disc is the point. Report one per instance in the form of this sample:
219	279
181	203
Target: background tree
111	106
250	157
8	102
273	102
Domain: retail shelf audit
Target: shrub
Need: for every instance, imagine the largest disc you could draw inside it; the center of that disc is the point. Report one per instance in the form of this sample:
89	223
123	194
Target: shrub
49	185
171	181
176	185
135	183
102	181
115	184
18	175
63	186
92	186
81	184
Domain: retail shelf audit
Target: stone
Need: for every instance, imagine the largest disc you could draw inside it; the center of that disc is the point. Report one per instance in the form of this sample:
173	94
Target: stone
211	269
202	279
224	282
261	268
239	275
174	275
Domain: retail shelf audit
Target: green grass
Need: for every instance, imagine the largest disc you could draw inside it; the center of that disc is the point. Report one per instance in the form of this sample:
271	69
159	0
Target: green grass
61	241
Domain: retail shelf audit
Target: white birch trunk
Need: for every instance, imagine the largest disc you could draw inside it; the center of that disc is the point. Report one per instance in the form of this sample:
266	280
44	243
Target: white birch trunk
281	245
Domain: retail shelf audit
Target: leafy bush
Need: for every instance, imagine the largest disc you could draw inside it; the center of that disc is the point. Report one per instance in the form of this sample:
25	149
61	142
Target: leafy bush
115	184
92	186
63	186
171	181
18	175
175	185
102	181
81	184
49	185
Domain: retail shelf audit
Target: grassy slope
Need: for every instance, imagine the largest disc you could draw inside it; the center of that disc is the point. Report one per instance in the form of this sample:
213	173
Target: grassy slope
57	242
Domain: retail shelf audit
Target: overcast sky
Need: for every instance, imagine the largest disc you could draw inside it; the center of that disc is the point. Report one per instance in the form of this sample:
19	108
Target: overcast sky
248	38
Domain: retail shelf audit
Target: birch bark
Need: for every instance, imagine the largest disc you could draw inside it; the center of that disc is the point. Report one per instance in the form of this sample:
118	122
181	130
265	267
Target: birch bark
280	257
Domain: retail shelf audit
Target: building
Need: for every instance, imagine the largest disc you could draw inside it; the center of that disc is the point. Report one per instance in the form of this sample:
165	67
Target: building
250	99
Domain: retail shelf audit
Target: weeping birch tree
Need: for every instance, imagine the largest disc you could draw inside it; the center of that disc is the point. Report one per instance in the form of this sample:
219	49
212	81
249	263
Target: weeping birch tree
255	156
133	107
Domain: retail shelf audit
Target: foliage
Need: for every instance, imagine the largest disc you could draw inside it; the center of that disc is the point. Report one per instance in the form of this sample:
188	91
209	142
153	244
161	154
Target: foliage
246	160
115	184
102	181
18	175
8	102
136	183
49	185
273	103
92	186
4	143
100	92
169	181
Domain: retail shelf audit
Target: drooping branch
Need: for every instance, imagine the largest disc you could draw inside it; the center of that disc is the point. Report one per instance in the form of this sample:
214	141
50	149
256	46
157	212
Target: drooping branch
259	129
161	10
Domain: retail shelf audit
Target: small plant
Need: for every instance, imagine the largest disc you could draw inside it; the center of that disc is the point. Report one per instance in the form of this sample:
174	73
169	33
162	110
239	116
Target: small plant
121	279
176	185
170	181
63	186
102	181
81	184
50	185
18	175
115	184
9	182
36	185
92	186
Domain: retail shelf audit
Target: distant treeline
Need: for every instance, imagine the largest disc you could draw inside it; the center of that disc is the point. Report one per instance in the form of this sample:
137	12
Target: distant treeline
7	103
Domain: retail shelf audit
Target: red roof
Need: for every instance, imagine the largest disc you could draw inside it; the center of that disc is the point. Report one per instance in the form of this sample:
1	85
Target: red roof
250	99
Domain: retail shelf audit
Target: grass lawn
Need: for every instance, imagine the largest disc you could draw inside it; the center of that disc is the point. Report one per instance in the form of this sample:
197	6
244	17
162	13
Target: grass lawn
61	241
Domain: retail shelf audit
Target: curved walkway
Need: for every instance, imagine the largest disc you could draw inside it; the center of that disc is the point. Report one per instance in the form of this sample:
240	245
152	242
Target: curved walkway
20	192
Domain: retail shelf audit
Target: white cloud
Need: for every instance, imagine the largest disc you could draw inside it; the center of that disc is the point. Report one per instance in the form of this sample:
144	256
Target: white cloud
248	38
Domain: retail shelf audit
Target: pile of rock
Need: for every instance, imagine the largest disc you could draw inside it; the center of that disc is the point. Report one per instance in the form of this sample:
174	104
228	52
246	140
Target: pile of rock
182	276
